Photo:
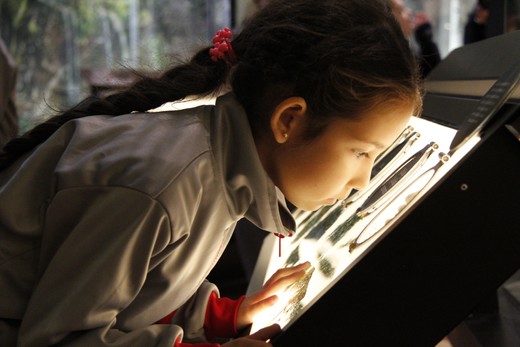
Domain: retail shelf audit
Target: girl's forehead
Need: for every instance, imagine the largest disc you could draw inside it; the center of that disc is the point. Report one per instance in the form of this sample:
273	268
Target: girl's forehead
378	127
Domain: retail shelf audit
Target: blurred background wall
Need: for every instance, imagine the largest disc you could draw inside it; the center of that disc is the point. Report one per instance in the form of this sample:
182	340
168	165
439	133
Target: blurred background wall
66	49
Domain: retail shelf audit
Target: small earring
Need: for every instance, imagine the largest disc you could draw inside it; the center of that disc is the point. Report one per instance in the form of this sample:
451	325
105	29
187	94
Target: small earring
285	135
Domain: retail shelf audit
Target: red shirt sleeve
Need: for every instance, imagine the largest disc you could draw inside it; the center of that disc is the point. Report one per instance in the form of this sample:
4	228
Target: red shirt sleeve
220	320
221	316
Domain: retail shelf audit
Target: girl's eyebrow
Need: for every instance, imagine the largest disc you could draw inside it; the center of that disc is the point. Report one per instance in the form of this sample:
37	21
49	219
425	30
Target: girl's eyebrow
378	145
374	143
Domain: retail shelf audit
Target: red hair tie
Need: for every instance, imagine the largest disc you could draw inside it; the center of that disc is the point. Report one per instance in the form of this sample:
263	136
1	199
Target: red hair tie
222	49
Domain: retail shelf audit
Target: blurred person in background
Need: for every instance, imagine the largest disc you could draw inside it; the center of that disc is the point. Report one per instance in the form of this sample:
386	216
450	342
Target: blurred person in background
476	26
418	27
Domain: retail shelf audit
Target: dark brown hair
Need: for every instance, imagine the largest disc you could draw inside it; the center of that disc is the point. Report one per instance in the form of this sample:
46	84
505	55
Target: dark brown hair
344	57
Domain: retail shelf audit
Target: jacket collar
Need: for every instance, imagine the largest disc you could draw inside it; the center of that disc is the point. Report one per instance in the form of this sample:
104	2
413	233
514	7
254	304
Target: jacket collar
249	190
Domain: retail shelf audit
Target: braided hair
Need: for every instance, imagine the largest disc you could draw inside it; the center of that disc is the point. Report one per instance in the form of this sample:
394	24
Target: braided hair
344	57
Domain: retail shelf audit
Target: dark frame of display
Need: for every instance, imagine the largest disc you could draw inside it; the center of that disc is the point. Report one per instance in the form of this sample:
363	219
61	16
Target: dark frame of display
450	251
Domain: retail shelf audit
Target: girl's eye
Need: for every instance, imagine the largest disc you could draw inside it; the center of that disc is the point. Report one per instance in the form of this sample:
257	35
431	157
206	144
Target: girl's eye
360	154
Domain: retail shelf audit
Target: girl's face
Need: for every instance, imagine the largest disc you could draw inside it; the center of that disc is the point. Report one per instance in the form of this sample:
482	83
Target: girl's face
325	170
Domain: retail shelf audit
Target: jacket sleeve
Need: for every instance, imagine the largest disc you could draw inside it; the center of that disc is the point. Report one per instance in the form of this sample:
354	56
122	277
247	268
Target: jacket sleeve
192	314
96	247
207	316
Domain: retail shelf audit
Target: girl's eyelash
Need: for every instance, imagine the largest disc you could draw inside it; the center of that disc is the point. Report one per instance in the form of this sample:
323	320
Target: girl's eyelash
360	154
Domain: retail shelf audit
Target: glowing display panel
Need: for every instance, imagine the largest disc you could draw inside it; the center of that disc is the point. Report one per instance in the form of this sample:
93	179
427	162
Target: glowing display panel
334	238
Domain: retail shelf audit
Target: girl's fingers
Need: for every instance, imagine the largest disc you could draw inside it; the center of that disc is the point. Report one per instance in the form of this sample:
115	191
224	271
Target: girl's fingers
286	272
282	283
279	281
264	304
266	297
266	333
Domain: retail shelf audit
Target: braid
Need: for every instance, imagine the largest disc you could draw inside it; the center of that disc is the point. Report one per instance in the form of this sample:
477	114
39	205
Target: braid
200	76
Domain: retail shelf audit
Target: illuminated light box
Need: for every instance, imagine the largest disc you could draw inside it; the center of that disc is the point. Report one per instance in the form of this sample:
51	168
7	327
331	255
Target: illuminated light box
437	230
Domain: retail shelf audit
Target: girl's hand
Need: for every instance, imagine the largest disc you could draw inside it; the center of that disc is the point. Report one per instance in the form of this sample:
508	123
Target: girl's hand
257	339
266	297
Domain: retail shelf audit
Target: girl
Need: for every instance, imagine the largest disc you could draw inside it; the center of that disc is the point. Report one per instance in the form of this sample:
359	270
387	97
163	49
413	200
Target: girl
112	217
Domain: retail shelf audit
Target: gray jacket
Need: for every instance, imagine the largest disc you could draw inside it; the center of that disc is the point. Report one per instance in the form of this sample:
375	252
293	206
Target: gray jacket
115	222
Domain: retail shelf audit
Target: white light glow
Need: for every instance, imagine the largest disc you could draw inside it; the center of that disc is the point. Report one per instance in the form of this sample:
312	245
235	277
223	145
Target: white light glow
335	240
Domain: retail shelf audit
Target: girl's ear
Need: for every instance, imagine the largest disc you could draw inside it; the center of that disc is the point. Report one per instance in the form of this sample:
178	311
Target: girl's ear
287	116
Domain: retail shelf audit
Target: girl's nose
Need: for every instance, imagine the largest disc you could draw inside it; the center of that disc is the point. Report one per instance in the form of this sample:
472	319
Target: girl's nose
362	178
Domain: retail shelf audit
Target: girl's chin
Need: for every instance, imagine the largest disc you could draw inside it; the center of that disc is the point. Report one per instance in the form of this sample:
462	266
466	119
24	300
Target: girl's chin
330	202
313	206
